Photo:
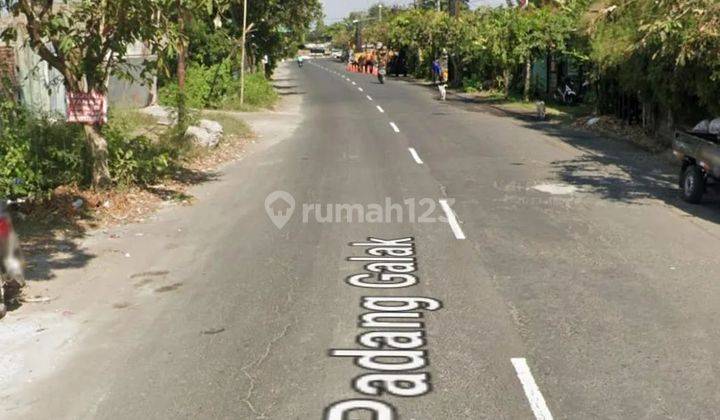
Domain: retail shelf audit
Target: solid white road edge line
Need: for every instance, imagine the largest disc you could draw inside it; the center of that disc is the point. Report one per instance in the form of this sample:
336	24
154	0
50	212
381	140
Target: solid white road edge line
394	127
452	220
382	111
415	155
532	392
369	97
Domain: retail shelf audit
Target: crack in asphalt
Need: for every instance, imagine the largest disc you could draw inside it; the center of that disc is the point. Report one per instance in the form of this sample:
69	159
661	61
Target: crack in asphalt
256	364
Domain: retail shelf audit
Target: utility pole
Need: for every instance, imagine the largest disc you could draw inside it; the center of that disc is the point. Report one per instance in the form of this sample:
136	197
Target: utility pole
453	70
437	5
358	35
242	55
380	11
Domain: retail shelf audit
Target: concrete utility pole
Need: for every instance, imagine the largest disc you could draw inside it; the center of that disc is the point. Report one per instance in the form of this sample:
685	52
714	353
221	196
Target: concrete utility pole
242	59
380	12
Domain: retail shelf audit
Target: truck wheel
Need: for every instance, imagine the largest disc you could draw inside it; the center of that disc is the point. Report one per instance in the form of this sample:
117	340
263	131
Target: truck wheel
693	184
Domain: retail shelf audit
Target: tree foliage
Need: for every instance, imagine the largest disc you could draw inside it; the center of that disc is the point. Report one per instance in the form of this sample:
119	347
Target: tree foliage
666	51
87	42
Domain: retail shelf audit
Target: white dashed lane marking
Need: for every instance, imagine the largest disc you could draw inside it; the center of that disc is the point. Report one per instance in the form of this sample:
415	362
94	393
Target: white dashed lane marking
394	127
452	220
415	155
369	97
379	108
532	392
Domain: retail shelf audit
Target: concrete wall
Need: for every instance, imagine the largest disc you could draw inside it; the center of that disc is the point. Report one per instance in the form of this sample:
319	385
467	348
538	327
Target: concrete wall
136	93
41	88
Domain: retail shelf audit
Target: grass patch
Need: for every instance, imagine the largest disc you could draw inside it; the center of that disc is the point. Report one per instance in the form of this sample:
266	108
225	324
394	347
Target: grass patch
217	87
133	118
259	93
232	125
514	102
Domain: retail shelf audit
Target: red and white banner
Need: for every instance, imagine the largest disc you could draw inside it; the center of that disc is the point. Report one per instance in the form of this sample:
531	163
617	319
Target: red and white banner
86	108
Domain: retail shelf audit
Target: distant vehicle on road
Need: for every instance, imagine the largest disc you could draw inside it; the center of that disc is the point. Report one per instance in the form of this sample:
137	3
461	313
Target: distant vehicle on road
336	54
700	157
11	267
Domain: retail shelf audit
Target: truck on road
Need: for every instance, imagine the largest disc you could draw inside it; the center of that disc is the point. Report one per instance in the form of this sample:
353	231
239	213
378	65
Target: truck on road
699	154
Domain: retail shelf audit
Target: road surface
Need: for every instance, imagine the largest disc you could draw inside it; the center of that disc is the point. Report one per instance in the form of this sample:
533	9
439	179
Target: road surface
561	278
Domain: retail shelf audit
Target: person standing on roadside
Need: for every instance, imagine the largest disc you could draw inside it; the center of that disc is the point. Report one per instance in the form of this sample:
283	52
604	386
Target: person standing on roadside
436	70
442	85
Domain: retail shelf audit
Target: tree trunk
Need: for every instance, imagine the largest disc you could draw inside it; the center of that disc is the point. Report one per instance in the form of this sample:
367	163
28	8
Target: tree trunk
182	111
456	78
528	75
553	84
99	151
506	82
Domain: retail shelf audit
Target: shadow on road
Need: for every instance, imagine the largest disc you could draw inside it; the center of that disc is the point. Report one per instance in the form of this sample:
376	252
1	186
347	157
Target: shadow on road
611	168
292	93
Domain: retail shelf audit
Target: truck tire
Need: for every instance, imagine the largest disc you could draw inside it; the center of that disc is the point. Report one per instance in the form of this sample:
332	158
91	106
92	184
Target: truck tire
692	184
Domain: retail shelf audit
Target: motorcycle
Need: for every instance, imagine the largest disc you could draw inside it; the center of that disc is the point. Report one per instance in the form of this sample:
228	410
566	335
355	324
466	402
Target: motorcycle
567	95
381	75
300	64
12	278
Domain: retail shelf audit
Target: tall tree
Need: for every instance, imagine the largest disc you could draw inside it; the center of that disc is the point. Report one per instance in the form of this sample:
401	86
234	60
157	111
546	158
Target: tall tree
87	41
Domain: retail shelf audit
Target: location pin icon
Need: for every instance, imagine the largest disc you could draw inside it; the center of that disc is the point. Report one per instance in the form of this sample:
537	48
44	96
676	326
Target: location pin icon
279	206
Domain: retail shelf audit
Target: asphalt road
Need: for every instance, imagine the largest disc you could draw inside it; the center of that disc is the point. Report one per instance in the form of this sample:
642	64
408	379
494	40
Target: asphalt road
572	283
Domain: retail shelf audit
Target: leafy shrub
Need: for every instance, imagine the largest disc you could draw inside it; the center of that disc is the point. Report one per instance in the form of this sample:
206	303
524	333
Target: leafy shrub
38	153
135	159
217	86
205	86
258	93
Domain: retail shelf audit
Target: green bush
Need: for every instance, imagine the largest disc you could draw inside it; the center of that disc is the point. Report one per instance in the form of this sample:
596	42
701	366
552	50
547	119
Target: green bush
38	153
205	86
258	93
217	86
135	159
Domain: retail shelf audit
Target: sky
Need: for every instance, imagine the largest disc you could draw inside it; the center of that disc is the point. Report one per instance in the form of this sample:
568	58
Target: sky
338	9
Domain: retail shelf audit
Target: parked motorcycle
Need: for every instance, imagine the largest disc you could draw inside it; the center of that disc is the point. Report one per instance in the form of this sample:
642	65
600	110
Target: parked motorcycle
12	278
567	95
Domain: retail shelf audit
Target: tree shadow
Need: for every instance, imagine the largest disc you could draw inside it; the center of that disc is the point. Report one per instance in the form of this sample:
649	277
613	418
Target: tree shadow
51	232
183	177
292	93
620	171
50	235
284	87
610	167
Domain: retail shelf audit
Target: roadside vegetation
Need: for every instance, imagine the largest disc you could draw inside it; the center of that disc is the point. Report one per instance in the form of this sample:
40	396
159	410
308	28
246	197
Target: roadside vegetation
215	87
197	52
655	64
